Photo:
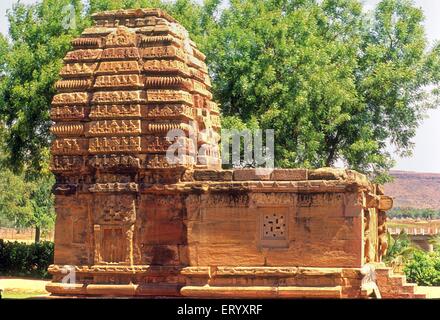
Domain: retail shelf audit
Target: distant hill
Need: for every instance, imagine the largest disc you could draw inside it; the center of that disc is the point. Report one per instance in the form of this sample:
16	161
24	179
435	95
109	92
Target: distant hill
414	189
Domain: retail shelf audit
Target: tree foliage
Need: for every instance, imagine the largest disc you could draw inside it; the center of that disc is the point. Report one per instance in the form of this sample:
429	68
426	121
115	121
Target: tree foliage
334	82
400	250
424	268
419	266
30	60
27	203
24	260
403	213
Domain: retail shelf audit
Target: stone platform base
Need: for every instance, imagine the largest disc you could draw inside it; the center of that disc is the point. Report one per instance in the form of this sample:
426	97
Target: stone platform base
132	290
113	290
394	286
229	282
261	292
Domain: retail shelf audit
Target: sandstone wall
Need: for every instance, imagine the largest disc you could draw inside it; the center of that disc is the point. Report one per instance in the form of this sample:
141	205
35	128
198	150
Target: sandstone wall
274	229
223	221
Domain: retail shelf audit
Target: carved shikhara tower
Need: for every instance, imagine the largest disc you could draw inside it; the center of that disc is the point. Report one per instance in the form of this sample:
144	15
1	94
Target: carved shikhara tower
132	224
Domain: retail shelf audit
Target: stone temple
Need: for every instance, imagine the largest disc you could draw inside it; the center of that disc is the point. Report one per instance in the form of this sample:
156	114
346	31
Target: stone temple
130	223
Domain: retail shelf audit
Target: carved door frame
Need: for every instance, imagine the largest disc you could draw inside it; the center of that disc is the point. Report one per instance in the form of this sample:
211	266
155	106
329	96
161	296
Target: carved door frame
127	243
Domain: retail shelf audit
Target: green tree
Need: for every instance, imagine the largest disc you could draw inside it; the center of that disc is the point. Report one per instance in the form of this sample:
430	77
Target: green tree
334	83
27	203
424	268
427	214
30	60
42	202
26	200
400	250
39	37
14	198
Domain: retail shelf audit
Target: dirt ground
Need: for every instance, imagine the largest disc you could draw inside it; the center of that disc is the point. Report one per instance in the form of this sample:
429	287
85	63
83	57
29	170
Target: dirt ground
431	292
26	235
23	287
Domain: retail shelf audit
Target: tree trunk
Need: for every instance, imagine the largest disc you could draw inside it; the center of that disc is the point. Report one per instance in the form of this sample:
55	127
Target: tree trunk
37	234
332	145
329	161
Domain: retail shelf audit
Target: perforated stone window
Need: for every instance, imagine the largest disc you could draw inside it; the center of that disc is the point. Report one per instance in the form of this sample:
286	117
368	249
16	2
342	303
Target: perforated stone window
273	230
274	226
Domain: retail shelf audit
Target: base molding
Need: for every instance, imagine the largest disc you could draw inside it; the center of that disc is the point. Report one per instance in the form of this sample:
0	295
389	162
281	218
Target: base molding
113	290
261	292
229	282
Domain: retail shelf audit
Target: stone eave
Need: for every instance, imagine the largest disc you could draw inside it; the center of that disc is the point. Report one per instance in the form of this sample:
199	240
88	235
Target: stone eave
316	186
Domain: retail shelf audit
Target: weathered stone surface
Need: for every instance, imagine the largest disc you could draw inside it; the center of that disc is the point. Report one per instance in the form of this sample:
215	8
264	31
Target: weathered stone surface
261	292
213	175
289	174
251	174
134	223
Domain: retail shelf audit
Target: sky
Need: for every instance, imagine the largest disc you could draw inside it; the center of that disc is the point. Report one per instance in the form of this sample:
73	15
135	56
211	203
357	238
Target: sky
426	154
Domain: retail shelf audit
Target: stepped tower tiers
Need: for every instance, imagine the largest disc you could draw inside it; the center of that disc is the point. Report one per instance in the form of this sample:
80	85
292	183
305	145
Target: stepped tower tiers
134	221
129	81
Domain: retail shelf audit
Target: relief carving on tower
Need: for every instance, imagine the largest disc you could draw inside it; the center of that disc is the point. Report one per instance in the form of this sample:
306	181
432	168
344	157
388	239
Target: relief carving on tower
115	144
115	210
69	146
68	113
170	111
119	97
120	53
84	55
66	163
114	127
163	53
74	84
67	129
71	98
87	43
121	37
115	67
119	81
113	111
78	69
166	66
114	162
